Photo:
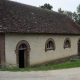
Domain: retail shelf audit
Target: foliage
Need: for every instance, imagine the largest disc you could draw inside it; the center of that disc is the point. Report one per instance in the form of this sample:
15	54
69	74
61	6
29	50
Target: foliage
69	13
78	9
78	13
60	10
46	6
73	15
43	68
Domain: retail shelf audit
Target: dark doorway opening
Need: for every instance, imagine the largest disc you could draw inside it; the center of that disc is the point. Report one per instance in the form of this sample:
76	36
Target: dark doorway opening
22	54
21	58
79	48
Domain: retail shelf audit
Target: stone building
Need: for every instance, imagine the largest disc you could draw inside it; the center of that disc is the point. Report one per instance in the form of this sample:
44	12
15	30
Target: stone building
31	36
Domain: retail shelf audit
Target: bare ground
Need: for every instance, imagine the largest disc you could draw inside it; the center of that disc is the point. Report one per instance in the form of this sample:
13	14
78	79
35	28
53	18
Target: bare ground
64	74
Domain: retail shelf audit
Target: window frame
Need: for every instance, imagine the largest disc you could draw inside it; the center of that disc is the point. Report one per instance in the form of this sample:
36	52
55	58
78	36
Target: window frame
22	47
69	44
48	43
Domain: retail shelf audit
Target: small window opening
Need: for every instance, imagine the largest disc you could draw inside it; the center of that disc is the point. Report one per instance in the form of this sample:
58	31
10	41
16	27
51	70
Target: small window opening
50	45
22	47
67	43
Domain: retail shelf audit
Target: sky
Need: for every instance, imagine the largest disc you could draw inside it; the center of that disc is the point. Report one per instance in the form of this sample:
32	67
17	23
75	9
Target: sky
66	5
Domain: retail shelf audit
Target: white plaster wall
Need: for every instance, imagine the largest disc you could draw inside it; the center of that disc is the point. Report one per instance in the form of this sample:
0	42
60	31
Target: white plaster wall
37	45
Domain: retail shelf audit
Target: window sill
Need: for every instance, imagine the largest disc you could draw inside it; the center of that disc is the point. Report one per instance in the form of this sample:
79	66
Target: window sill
66	47
49	49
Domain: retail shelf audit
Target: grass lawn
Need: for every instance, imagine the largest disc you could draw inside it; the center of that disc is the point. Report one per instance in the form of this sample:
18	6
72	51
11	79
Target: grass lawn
44	68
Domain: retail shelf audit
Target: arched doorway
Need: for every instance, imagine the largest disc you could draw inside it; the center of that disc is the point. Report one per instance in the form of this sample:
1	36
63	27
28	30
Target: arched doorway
79	47
22	54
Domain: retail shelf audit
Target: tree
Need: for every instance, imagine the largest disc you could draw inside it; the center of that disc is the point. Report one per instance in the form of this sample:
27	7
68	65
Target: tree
60	10
46	6
75	16
78	9
69	13
78	13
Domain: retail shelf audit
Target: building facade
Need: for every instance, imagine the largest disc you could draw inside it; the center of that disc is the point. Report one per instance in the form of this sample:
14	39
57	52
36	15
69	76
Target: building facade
31	36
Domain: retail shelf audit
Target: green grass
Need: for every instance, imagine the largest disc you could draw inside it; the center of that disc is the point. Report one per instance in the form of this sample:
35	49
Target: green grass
44	68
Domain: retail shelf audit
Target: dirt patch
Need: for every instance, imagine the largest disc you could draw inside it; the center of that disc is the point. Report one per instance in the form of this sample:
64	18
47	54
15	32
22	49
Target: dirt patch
64	74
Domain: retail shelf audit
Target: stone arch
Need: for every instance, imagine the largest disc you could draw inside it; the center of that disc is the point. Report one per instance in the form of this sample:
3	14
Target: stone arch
27	63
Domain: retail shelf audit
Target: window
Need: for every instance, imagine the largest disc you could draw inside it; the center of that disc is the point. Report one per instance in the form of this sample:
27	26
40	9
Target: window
67	43
50	45
22	46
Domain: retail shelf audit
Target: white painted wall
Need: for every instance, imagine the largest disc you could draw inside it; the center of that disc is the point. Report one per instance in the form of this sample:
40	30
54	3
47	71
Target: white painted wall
37	45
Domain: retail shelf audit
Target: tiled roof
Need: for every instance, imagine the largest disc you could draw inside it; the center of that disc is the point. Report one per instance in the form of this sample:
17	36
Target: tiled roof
21	18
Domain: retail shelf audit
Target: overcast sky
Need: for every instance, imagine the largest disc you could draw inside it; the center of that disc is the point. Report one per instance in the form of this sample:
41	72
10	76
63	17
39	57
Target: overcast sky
69	5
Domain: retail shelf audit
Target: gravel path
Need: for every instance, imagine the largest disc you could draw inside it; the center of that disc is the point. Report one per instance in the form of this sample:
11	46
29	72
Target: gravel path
64	74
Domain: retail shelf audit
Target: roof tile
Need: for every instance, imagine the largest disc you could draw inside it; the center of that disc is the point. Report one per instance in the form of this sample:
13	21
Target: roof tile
21	18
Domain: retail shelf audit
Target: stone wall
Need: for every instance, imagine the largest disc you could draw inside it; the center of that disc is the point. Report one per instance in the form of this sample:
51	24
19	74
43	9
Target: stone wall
54	62
2	50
